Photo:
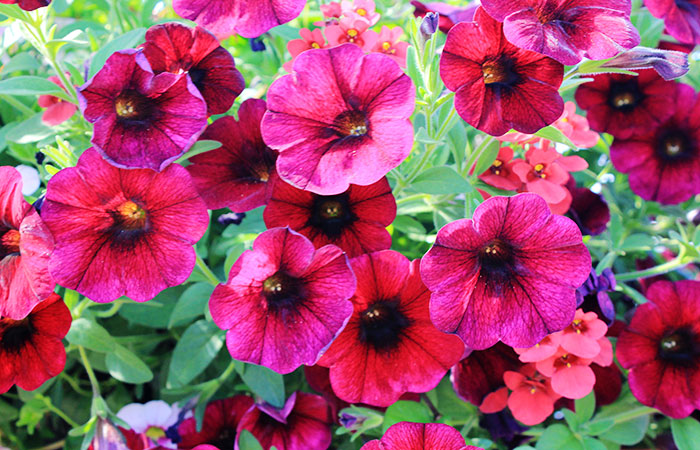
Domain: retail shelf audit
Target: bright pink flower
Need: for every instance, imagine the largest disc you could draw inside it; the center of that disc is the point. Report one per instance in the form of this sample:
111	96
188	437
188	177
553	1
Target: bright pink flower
449	14
122	232
510	273
249	18
25	246
27	5
364	9
332	10
571	375
501	174
532	399
544	349
342	117
419	436
681	17
389	44
284	301
351	30
309	40
581	337
57	109
221	418
389	346
497	85
241	173
576	127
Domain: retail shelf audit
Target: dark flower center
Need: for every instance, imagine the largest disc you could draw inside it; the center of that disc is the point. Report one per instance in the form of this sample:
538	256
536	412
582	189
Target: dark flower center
680	347
197	76
498	72
625	96
130	221
497	167
382	323
9	242
331	214
674	145
497	259
225	439
283	291
351	123
17	334
133	106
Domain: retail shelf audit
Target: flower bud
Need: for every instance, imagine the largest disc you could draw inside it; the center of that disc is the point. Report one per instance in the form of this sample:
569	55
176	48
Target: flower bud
668	63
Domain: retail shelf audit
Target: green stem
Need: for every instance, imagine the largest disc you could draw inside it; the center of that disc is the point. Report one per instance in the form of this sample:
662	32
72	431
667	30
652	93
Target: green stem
61	414
24	109
74	384
661	269
91	374
628	415
206	271
637	296
227	373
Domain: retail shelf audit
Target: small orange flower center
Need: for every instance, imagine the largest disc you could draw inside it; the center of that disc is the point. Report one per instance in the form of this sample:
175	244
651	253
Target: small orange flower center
624	99
125	108
673	146
361	11
493	73
9	243
331	209
131	215
315	45
539	170
577	324
352	123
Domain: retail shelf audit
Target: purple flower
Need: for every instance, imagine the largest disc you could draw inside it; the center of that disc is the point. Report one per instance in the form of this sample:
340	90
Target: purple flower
681	17
670	64
593	295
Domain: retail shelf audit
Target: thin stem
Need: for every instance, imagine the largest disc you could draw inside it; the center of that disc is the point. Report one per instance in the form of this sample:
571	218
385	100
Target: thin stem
637	296
55	446
24	109
206	271
628	415
74	384
61	414
91	374
661	269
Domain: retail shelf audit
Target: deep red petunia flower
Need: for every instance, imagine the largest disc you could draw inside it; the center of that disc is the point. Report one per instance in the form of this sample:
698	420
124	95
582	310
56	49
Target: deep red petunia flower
284	301
122	232
341	117
221	418
303	423
567	30
681	18
25	245
664	163
27	5
589	210
355	220
241	173
497	85
176	48
249	18
661	348
419	436
626	105
510	273
141	120
389	347
31	351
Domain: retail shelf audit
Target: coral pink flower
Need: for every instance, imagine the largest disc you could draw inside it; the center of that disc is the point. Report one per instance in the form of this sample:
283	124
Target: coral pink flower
241	173
27	5
364	9
501	174
303	423
566	30
510	273
389	44
389	346
141	120
681	18
419	436
332	10
342	117
581	337
497	85
309	40
30	349
661	348
176	48
352	30
355	220
57	109
663	163
576	127
449	14
284	301
249	18
221	418
544	349
571	375
122	232
532	399
25	246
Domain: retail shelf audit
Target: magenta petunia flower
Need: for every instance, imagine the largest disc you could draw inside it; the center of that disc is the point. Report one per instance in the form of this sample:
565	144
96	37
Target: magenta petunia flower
221	419
141	120
176	48
664	163
355	220
681	18
566	30
626	105
389	347
419	436
510	273
303	423
284	301
239	174
25	245
27	5
497	85
122	232
341	117
249	18
661	348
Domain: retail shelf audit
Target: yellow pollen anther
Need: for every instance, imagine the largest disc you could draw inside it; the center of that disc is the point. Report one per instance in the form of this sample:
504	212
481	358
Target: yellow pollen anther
155	433
361	11
539	167
623	100
352	32
386	45
568	364
497	163
131	215
533	390
315	45
10	241
359	130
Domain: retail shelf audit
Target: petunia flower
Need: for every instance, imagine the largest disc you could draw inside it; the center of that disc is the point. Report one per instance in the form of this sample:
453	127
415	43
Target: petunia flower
449	14
221	418
241	173
57	109
532	399
25	245
408	435
341	117
389	346
364	9
284	301
141	120
501	174
681	18
110	436
389	44
30	349
249	18
176	48
663	163
497	85
351	30
510	273
567	31
27	5
122	232
355	220
310	39
661	348
151	419
589	210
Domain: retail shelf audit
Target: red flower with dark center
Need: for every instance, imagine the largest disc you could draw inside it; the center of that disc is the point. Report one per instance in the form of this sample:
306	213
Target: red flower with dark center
176	48
626	105
27	5
355	220
419	436
241	173
31	351
497	85
389	346
221	418
589	210
661	348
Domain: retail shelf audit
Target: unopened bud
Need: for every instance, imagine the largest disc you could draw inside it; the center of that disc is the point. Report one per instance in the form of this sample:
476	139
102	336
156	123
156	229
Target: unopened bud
429	25
668	63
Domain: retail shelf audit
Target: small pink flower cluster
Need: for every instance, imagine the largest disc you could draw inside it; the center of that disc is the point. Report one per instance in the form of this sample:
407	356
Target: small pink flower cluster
350	22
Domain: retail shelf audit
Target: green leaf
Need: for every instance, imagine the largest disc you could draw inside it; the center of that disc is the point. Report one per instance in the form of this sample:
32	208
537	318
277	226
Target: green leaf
196	349
198	148
585	407
590	443
571	419
448	404
638	241
7	412
597	427
127	40
20	62
29	131
31	85
127	367
406	411
408	225
266	383
246	441
558	437
191	304
12	11
32	412
90	335
441	180
555	135
489	152
686	433
629	432
413	68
